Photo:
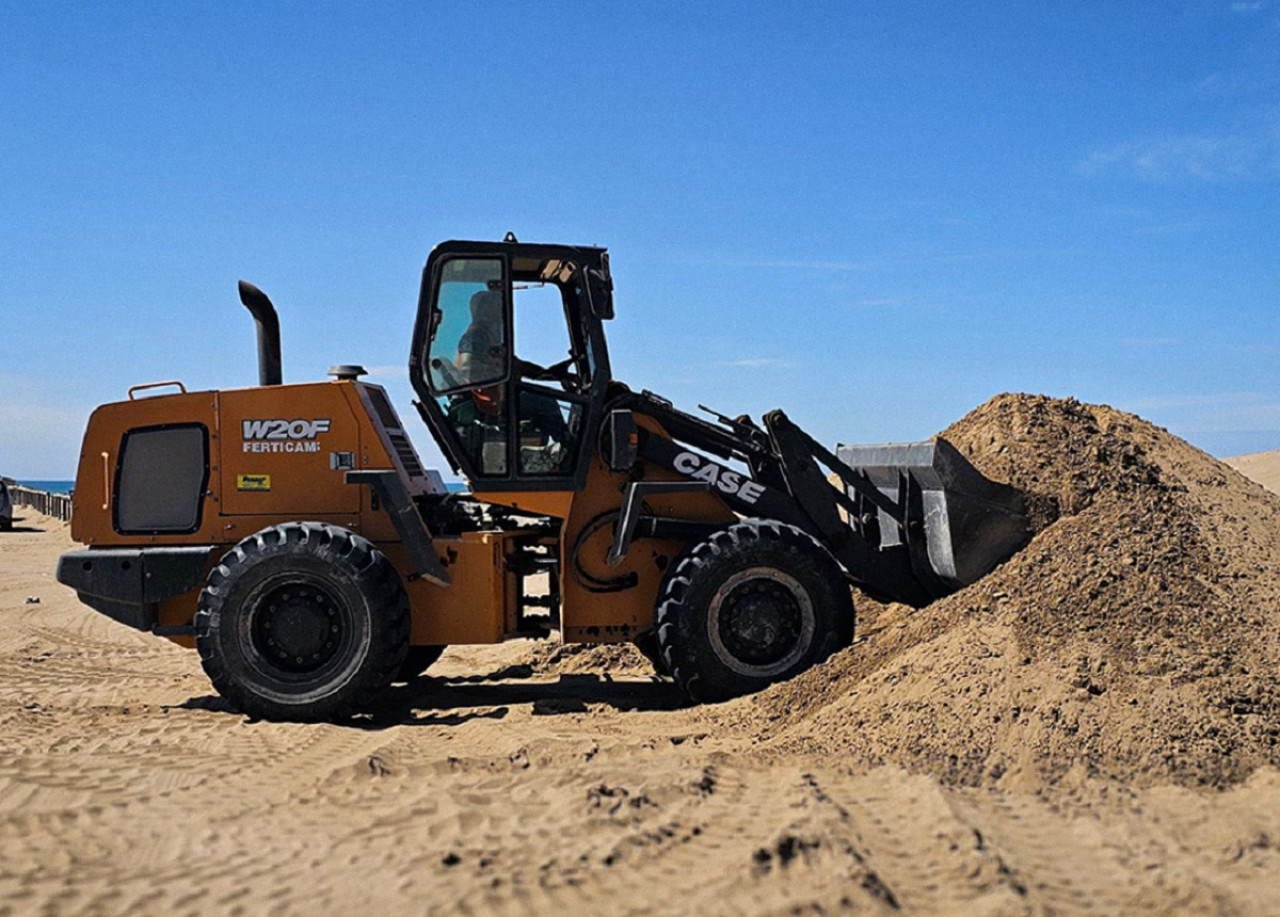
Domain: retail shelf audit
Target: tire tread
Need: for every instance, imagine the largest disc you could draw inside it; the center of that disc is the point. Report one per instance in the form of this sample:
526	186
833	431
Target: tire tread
366	562
676	620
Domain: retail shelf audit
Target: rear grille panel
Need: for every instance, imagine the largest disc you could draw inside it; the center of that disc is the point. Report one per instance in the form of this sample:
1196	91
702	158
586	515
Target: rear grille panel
396	437
408	457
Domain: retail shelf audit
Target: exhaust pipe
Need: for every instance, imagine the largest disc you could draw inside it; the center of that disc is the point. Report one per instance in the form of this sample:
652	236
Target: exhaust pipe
264	316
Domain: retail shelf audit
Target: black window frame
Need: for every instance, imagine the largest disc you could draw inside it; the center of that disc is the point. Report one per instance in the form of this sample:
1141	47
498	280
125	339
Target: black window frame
587	296
508	326
202	491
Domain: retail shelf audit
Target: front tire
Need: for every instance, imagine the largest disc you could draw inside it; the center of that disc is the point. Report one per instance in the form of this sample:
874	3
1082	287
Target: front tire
302	621
756	603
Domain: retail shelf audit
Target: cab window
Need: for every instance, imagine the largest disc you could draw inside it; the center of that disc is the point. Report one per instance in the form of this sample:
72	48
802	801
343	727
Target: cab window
468	359
549	420
469	340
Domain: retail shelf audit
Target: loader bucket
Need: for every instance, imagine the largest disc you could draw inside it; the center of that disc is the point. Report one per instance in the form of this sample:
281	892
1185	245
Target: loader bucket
951	517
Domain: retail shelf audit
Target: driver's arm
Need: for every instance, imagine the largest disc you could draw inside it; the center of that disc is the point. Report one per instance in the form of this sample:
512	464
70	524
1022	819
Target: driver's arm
561	372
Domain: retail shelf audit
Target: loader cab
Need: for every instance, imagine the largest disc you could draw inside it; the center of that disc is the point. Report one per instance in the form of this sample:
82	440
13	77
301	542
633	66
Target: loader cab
509	360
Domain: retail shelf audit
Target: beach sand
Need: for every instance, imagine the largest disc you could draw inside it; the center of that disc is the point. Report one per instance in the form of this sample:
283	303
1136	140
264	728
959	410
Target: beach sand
534	779
1263	467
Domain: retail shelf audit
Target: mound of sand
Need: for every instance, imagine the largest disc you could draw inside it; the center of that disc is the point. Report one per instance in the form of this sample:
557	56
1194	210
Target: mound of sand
1135	637
612	660
1263	467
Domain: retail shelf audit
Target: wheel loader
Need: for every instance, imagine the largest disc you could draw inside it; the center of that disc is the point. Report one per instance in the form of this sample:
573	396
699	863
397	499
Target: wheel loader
290	534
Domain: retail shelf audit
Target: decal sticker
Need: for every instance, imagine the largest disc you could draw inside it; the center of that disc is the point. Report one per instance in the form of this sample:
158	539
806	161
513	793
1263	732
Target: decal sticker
259	482
724	480
283	435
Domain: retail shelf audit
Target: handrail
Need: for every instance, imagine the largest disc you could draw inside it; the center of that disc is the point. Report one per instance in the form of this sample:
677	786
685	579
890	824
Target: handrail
146	385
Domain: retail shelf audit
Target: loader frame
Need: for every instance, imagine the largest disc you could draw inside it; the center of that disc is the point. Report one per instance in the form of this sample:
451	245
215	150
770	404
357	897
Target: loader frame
780	472
633	506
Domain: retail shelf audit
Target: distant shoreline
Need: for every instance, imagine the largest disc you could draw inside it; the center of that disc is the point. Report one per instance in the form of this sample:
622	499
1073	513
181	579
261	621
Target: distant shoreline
52	487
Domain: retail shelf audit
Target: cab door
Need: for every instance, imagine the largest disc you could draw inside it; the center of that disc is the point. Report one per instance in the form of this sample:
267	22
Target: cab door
507	365
468	363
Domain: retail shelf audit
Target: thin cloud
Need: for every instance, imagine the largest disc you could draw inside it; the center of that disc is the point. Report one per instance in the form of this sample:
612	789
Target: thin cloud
1216	400
1165	229
850	266
41	439
1252	6
1203	157
1254	418
757	363
787	265
1150	342
1213	414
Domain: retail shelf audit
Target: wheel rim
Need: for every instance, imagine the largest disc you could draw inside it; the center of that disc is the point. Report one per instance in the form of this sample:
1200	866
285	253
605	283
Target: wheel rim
761	622
297	628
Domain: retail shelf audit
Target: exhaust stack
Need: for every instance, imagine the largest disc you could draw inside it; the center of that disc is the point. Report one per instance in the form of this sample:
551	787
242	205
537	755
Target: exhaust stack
264	316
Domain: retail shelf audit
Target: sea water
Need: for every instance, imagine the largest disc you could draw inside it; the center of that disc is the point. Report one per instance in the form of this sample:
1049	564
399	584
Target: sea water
52	487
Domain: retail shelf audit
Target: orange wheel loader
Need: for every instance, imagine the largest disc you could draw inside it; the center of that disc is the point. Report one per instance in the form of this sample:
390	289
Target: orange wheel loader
291	535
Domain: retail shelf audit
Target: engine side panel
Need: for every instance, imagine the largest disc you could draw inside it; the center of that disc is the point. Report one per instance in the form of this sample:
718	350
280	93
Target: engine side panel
95	506
279	446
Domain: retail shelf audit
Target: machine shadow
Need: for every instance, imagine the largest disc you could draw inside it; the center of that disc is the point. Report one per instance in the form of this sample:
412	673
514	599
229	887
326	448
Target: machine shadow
17	527
430	701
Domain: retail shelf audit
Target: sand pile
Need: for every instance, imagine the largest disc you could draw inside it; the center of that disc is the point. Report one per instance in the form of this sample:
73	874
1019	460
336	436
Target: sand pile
1135	637
610	660
1263	467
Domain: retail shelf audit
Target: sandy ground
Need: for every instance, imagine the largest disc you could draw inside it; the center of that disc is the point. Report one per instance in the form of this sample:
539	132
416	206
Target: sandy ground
126	788
1263	467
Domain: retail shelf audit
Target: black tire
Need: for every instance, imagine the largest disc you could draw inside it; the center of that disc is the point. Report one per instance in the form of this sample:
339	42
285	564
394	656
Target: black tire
649	649
302	621
417	660
756	603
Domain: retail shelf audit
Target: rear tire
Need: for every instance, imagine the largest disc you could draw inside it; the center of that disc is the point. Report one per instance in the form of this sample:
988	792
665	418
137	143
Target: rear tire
302	621
754	604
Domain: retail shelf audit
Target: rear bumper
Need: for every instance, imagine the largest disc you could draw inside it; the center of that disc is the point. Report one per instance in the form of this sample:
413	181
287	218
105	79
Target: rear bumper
127	584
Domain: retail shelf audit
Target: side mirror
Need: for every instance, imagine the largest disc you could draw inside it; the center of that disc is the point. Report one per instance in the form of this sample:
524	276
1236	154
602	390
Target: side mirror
600	288
622	441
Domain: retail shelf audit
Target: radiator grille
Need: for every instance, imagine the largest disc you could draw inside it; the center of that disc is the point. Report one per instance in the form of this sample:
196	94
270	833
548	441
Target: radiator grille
398	439
382	407
404	449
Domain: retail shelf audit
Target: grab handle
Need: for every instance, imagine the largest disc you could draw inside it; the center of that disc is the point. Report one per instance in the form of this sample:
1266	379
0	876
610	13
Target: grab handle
146	385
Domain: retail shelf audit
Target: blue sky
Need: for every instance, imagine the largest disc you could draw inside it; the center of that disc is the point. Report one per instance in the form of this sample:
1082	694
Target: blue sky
873	215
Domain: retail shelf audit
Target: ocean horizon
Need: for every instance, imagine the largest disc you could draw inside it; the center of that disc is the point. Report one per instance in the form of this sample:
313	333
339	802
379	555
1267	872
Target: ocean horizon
51	487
